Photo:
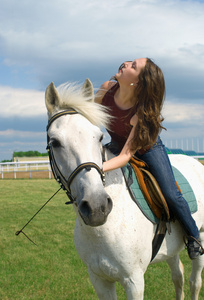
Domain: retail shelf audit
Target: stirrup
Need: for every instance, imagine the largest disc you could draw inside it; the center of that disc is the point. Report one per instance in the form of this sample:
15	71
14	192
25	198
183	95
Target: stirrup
194	247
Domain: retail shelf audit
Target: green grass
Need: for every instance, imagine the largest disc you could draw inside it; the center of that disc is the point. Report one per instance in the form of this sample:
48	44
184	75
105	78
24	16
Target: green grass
52	269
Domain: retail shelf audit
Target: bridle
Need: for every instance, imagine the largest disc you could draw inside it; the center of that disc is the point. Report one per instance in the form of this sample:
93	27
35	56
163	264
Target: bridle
59	177
64	183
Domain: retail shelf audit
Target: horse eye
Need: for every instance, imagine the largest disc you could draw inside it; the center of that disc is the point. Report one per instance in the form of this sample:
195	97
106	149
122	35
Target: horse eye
55	143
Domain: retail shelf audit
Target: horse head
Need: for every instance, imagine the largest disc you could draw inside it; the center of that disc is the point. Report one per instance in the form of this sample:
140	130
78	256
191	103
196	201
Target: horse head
75	141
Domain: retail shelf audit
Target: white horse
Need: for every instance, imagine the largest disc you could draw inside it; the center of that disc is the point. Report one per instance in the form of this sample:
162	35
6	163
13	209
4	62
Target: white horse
112	235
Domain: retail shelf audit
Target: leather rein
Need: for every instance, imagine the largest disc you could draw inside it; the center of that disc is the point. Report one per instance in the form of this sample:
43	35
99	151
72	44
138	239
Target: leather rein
59	177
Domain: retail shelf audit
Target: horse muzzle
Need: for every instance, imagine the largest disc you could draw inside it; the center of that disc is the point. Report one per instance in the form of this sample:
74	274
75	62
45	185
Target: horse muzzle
94	209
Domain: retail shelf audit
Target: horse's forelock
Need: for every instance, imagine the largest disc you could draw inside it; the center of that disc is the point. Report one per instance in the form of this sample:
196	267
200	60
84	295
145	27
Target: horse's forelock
71	96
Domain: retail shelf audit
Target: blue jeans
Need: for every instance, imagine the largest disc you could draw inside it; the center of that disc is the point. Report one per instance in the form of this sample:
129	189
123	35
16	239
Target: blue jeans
160	166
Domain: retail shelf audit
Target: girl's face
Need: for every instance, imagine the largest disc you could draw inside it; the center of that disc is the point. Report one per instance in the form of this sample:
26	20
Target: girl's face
129	71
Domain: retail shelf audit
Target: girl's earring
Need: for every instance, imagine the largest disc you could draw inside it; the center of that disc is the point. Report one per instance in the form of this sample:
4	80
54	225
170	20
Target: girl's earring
132	84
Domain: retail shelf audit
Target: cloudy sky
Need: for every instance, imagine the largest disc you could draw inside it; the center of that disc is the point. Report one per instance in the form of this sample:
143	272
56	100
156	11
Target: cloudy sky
66	40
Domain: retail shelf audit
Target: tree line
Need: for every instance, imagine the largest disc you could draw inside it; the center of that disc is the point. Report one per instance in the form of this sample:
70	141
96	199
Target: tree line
26	154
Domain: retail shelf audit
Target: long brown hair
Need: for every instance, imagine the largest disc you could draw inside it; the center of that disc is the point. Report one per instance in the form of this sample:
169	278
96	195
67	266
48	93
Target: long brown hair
149	94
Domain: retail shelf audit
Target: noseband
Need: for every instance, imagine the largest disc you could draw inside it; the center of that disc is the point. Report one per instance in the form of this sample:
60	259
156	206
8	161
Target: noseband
59	177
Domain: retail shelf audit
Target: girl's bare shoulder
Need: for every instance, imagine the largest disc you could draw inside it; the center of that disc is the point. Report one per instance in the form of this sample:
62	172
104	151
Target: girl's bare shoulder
106	86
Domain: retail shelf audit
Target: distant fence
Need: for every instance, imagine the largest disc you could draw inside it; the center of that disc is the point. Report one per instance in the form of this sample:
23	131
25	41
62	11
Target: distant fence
26	169
35	169
199	157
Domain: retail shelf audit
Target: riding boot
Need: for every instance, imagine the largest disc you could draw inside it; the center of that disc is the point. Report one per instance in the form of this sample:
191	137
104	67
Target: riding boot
194	247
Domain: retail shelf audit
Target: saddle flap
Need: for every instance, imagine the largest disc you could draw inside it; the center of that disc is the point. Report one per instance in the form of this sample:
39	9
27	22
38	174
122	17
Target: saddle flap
150	189
155	192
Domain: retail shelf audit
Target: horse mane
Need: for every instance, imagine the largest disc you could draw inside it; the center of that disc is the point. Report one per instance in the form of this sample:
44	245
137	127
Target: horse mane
72	96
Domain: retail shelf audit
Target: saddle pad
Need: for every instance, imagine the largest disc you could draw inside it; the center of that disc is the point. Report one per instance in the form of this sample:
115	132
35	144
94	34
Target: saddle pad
139	199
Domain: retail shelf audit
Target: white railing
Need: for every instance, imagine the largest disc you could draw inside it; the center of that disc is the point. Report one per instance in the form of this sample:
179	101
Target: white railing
25	166
35	166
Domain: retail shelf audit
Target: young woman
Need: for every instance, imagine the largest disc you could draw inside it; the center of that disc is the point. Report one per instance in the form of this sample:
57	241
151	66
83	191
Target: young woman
135	101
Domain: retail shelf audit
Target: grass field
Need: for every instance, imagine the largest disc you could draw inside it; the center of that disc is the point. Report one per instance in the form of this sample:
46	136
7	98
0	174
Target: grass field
52	270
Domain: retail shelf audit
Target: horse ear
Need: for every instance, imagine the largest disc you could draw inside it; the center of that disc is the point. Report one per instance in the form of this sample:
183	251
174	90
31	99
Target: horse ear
88	90
51	97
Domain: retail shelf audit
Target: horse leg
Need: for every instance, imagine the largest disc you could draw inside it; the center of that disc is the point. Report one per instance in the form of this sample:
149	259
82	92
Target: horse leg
177	275
104	289
195	278
134	286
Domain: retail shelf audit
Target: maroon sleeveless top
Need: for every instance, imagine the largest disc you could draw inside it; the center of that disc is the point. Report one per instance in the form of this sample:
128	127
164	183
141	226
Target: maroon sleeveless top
120	124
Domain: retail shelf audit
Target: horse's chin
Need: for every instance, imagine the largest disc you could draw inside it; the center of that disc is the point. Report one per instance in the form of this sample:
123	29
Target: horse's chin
93	222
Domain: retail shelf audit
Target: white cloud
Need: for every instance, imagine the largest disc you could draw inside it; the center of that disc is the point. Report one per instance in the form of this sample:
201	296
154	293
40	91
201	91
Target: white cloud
21	102
189	113
67	30
184	124
71	37
11	133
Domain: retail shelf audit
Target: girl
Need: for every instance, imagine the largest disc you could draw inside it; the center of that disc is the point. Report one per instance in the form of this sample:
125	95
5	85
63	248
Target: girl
135	101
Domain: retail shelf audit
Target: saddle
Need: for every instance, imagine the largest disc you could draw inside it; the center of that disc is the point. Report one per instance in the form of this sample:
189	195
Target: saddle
150	189
155	199
148	185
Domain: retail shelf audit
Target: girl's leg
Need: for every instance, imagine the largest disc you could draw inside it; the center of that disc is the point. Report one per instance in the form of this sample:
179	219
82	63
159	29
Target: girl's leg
159	165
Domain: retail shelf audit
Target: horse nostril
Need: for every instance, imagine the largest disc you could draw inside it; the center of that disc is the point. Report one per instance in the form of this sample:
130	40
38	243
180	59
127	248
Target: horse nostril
107	207
110	204
85	208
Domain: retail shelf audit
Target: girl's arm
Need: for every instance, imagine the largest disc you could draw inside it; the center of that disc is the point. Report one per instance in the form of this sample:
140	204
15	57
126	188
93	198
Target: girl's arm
102	91
125	155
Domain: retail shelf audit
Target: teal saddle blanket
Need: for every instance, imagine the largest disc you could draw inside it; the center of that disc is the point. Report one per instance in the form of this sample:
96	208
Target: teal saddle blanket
139	199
